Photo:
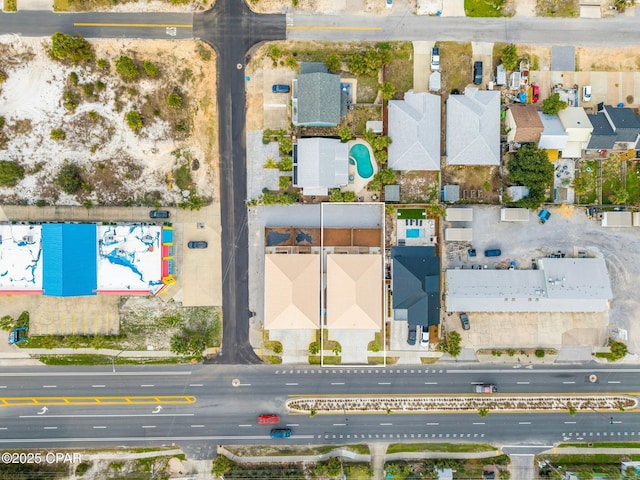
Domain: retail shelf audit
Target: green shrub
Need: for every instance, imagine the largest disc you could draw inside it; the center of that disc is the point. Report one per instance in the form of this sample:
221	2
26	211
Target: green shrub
134	120
174	100
333	62
314	348
82	468
284	182
102	64
100	86
88	89
58	134
73	78
69	178
150	69
127	68
539	352
286	164
203	51
10	173
73	49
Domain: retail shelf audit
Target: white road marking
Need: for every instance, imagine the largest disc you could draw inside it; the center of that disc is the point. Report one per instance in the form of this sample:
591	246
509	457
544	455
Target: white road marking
384	383
195	385
386	424
522	383
337	383
197	426
98	386
148	426
617	421
48	386
524	423
293	424
433	423
99	427
569	422
50	428
613	381
95	374
339	424
147	385
478	423
3	386
430	383
291	384
115	415
244	425
568	382
3	428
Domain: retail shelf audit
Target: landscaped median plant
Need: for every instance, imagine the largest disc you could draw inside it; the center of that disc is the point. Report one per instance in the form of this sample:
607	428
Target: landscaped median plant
470	403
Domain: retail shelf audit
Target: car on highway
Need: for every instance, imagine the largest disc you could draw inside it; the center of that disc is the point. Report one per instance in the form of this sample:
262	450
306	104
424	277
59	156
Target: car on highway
279	88
159	214
477	73
18	335
465	321
197	244
268	419
281	433
413	331
424	337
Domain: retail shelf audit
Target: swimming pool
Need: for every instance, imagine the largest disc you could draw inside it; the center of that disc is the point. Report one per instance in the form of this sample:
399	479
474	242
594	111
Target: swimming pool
415	232
360	153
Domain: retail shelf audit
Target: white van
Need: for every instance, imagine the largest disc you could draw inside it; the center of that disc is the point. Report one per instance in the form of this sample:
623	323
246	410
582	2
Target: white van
586	93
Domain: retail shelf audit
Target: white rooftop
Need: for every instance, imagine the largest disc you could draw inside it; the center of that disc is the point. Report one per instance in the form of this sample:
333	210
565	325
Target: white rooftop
129	258
560	285
20	257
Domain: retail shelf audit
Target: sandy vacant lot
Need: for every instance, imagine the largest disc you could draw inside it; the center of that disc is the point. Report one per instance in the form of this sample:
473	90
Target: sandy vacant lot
118	165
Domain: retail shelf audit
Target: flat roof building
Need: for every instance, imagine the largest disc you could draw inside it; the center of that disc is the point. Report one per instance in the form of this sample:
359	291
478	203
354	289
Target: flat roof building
21	259
458	234
559	285
459	215
617	219
514	215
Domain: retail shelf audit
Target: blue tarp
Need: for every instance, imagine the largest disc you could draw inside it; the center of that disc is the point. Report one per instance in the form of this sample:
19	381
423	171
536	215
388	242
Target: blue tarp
69	262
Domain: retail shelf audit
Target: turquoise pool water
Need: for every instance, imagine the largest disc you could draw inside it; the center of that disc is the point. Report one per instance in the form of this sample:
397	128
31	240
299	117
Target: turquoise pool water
415	232
363	160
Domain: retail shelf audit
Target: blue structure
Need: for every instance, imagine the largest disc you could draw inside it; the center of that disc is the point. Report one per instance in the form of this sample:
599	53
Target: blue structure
69	259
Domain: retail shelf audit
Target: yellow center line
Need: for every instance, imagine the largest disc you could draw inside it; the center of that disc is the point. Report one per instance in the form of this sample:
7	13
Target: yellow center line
144	25
311	27
123	400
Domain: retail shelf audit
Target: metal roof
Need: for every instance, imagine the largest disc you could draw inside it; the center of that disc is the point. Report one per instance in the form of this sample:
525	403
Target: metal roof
322	163
459	215
458	234
553	135
514	215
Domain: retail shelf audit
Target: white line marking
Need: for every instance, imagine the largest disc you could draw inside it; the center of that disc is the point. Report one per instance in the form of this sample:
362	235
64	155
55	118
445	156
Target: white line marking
3	386
524	423
568	382
197	426
384	383
339	424
617	421
93	374
50	428
115	416
148	426
613	381
291	384
433	423
569	422
244	425
293	424
522	383
48	386
386	424
337	383
430	383
147	385
195	385
99	427
98	386
478	423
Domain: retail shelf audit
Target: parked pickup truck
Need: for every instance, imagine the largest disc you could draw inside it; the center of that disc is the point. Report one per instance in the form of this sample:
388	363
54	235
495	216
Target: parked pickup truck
484	388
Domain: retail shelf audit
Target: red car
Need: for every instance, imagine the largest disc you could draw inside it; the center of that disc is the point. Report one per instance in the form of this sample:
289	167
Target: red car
535	93
268	419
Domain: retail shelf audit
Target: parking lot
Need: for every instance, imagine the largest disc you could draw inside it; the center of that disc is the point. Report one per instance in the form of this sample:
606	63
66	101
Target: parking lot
568	230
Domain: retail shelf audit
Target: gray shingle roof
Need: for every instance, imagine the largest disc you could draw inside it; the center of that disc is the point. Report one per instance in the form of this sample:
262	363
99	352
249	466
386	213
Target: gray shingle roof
473	128
624	122
318	99
414	128
603	136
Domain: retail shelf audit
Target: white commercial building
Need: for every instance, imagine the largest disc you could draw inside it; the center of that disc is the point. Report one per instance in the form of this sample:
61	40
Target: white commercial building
559	285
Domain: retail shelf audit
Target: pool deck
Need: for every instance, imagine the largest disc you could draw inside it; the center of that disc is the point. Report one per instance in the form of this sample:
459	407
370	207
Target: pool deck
359	184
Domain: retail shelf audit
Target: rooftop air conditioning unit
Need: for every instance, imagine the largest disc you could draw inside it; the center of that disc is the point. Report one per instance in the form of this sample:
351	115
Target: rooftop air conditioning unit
109	238
27	238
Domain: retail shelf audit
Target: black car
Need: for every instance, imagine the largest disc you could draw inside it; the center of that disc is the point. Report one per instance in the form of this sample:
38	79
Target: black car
465	321
159	214
477	73
411	339
197	244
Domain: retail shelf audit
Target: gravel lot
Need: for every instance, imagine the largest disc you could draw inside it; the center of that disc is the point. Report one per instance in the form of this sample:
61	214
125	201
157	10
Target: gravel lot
568	230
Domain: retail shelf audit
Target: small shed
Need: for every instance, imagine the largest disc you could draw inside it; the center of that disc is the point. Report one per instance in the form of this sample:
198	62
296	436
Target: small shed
451	193
617	219
459	215
501	75
458	234
374	125
514	215
392	193
435	82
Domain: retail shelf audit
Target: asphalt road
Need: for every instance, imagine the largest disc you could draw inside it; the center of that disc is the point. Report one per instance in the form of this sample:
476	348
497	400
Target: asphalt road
232	29
615	32
225	413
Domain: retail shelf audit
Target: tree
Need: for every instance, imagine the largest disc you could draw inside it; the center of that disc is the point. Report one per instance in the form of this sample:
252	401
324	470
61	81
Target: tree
134	120
483	412
451	344
58	134
553	104
335	195
285	165
509	57
73	49
333	467
349	196
385	176
150	69
388	90
174	100
314	348
582	183
69	178
618	349
572	410
530	167
345	134
127	68
10	173
333	62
